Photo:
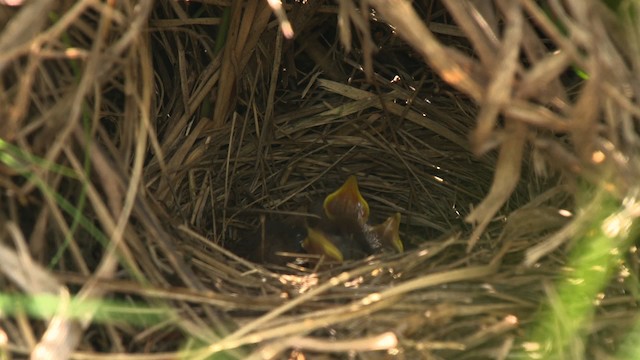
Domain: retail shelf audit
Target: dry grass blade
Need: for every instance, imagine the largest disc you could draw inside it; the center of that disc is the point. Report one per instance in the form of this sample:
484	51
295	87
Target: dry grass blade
246	26
19	33
418	119
500	86
504	182
62	334
384	341
475	26
447	62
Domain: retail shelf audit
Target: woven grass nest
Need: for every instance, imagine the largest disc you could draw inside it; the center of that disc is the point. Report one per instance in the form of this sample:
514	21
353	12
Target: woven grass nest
142	143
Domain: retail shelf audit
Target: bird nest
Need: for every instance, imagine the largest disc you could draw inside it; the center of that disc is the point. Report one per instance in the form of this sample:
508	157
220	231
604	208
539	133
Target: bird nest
147	148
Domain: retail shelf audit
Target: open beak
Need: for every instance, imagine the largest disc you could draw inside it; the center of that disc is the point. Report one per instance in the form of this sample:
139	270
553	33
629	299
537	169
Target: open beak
318	243
347	204
347	213
387	234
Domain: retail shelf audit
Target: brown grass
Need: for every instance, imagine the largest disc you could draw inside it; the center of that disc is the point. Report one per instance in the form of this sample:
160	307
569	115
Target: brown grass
142	141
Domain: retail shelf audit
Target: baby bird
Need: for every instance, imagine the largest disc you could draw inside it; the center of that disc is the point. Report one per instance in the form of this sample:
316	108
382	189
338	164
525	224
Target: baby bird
346	207
386	235
343	232
317	242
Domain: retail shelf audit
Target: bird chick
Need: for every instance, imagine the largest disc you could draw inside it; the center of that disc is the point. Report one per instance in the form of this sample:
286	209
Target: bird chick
346	205
343	227
386	235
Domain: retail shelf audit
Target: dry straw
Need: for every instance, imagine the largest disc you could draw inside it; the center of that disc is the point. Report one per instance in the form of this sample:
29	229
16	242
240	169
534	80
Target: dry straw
141	142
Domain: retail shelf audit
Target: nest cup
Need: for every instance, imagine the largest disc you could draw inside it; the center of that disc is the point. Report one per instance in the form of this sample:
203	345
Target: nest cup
146	146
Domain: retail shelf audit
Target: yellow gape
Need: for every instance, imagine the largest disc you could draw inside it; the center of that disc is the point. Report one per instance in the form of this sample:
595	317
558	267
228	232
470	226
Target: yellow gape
385	235
347	204
318	243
